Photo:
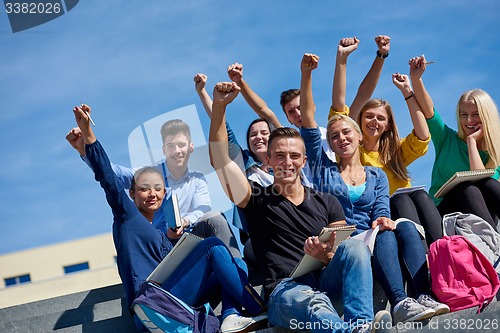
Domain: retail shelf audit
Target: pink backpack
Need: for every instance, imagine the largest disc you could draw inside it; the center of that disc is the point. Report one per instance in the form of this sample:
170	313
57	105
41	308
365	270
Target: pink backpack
461	275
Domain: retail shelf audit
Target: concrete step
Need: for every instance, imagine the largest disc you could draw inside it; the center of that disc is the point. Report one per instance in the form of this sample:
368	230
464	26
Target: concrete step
104	310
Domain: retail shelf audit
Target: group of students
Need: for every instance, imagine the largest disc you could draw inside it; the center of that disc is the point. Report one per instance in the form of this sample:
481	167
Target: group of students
283	199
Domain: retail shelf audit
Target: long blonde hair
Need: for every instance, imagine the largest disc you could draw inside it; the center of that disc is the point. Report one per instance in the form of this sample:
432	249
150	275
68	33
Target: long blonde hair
488	112
390	144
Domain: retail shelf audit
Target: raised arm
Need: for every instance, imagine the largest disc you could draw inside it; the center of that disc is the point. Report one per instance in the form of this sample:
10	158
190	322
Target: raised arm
232	178
417	69
75	139
235	73
402	82
345	47
83	121
307	65
200	80
369	83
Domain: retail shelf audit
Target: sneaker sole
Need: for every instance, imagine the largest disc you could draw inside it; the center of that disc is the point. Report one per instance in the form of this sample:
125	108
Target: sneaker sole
422	315
442	309
257	325
382	322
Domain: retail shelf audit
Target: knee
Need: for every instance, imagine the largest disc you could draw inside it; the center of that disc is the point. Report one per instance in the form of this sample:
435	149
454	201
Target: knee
355	248
468	190
401	199
405	226
422	196
211	242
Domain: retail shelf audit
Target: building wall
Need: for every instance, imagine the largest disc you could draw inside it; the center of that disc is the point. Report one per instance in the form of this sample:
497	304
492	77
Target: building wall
45	266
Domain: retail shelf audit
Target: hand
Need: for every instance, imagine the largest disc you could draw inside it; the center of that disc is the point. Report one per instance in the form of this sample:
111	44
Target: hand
402	82
477	135
200	80
318	249
225	92
417	67
309	62
82	118
75	139
185	222
385	223
175	233
383	44
235	72
347	46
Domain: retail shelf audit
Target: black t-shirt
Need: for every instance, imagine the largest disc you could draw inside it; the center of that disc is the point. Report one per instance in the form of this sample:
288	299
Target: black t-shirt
279	228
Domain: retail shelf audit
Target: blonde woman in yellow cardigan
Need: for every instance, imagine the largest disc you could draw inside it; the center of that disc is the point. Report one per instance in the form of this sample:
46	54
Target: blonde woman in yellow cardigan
382	147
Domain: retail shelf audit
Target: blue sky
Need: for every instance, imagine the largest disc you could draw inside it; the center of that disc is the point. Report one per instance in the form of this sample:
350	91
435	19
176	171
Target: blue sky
134	60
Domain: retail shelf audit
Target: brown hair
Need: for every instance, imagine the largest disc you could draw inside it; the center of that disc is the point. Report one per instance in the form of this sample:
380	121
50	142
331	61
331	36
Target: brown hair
287	95
174	127
283	133
390	144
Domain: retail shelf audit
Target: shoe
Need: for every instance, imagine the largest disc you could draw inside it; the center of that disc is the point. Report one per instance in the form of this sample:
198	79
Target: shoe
238	324
428	301
410	310
382	323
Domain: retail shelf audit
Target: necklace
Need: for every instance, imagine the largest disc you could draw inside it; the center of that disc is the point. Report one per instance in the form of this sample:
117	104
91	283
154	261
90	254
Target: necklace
352	180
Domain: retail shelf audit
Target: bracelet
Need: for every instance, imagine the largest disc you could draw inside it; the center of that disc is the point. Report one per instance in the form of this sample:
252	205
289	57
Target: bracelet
410	96
383	56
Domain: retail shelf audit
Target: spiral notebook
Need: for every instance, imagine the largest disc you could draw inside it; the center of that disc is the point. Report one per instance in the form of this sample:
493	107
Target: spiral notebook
462	176
308	263
174	258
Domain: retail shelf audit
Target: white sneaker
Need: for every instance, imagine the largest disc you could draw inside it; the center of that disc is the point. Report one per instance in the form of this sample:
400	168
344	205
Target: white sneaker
237	324
428	301
410	310
382	323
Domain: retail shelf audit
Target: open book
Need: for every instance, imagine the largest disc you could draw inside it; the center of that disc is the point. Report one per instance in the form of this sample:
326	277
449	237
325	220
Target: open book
173	259
462	176
368	236
171	212
308	263
408	189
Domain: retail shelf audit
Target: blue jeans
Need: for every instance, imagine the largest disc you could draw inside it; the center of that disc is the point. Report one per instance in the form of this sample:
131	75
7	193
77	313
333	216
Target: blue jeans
310	302
400	252
210	269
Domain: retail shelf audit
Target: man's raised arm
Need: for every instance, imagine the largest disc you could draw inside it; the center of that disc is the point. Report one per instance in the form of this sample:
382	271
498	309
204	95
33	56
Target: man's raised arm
233	180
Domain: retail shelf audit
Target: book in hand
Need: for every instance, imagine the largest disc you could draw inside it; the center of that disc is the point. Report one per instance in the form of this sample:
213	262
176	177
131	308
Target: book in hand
308	263
368	236
462	176
408	189
174	258
171	212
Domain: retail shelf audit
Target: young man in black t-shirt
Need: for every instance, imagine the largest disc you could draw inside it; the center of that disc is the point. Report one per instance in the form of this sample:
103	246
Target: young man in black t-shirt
285	217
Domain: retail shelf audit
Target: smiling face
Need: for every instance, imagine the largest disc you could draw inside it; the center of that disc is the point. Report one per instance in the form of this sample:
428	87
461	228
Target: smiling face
470	121
343	138
292	111
374	121
258	136
286	156
148	192
177	150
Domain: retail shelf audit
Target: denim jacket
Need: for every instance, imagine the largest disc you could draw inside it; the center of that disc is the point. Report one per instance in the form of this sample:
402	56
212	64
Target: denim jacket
373	203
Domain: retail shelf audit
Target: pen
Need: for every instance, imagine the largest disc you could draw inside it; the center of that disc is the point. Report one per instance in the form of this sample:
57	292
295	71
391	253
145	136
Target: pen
88	115
430	62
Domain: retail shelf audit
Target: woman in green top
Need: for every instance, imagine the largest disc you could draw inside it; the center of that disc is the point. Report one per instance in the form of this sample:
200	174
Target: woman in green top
475	146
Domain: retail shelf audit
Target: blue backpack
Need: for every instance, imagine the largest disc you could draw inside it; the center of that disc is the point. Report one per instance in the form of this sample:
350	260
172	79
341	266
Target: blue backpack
159	309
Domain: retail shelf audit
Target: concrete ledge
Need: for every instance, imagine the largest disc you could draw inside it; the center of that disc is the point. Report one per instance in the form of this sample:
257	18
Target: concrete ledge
104	310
